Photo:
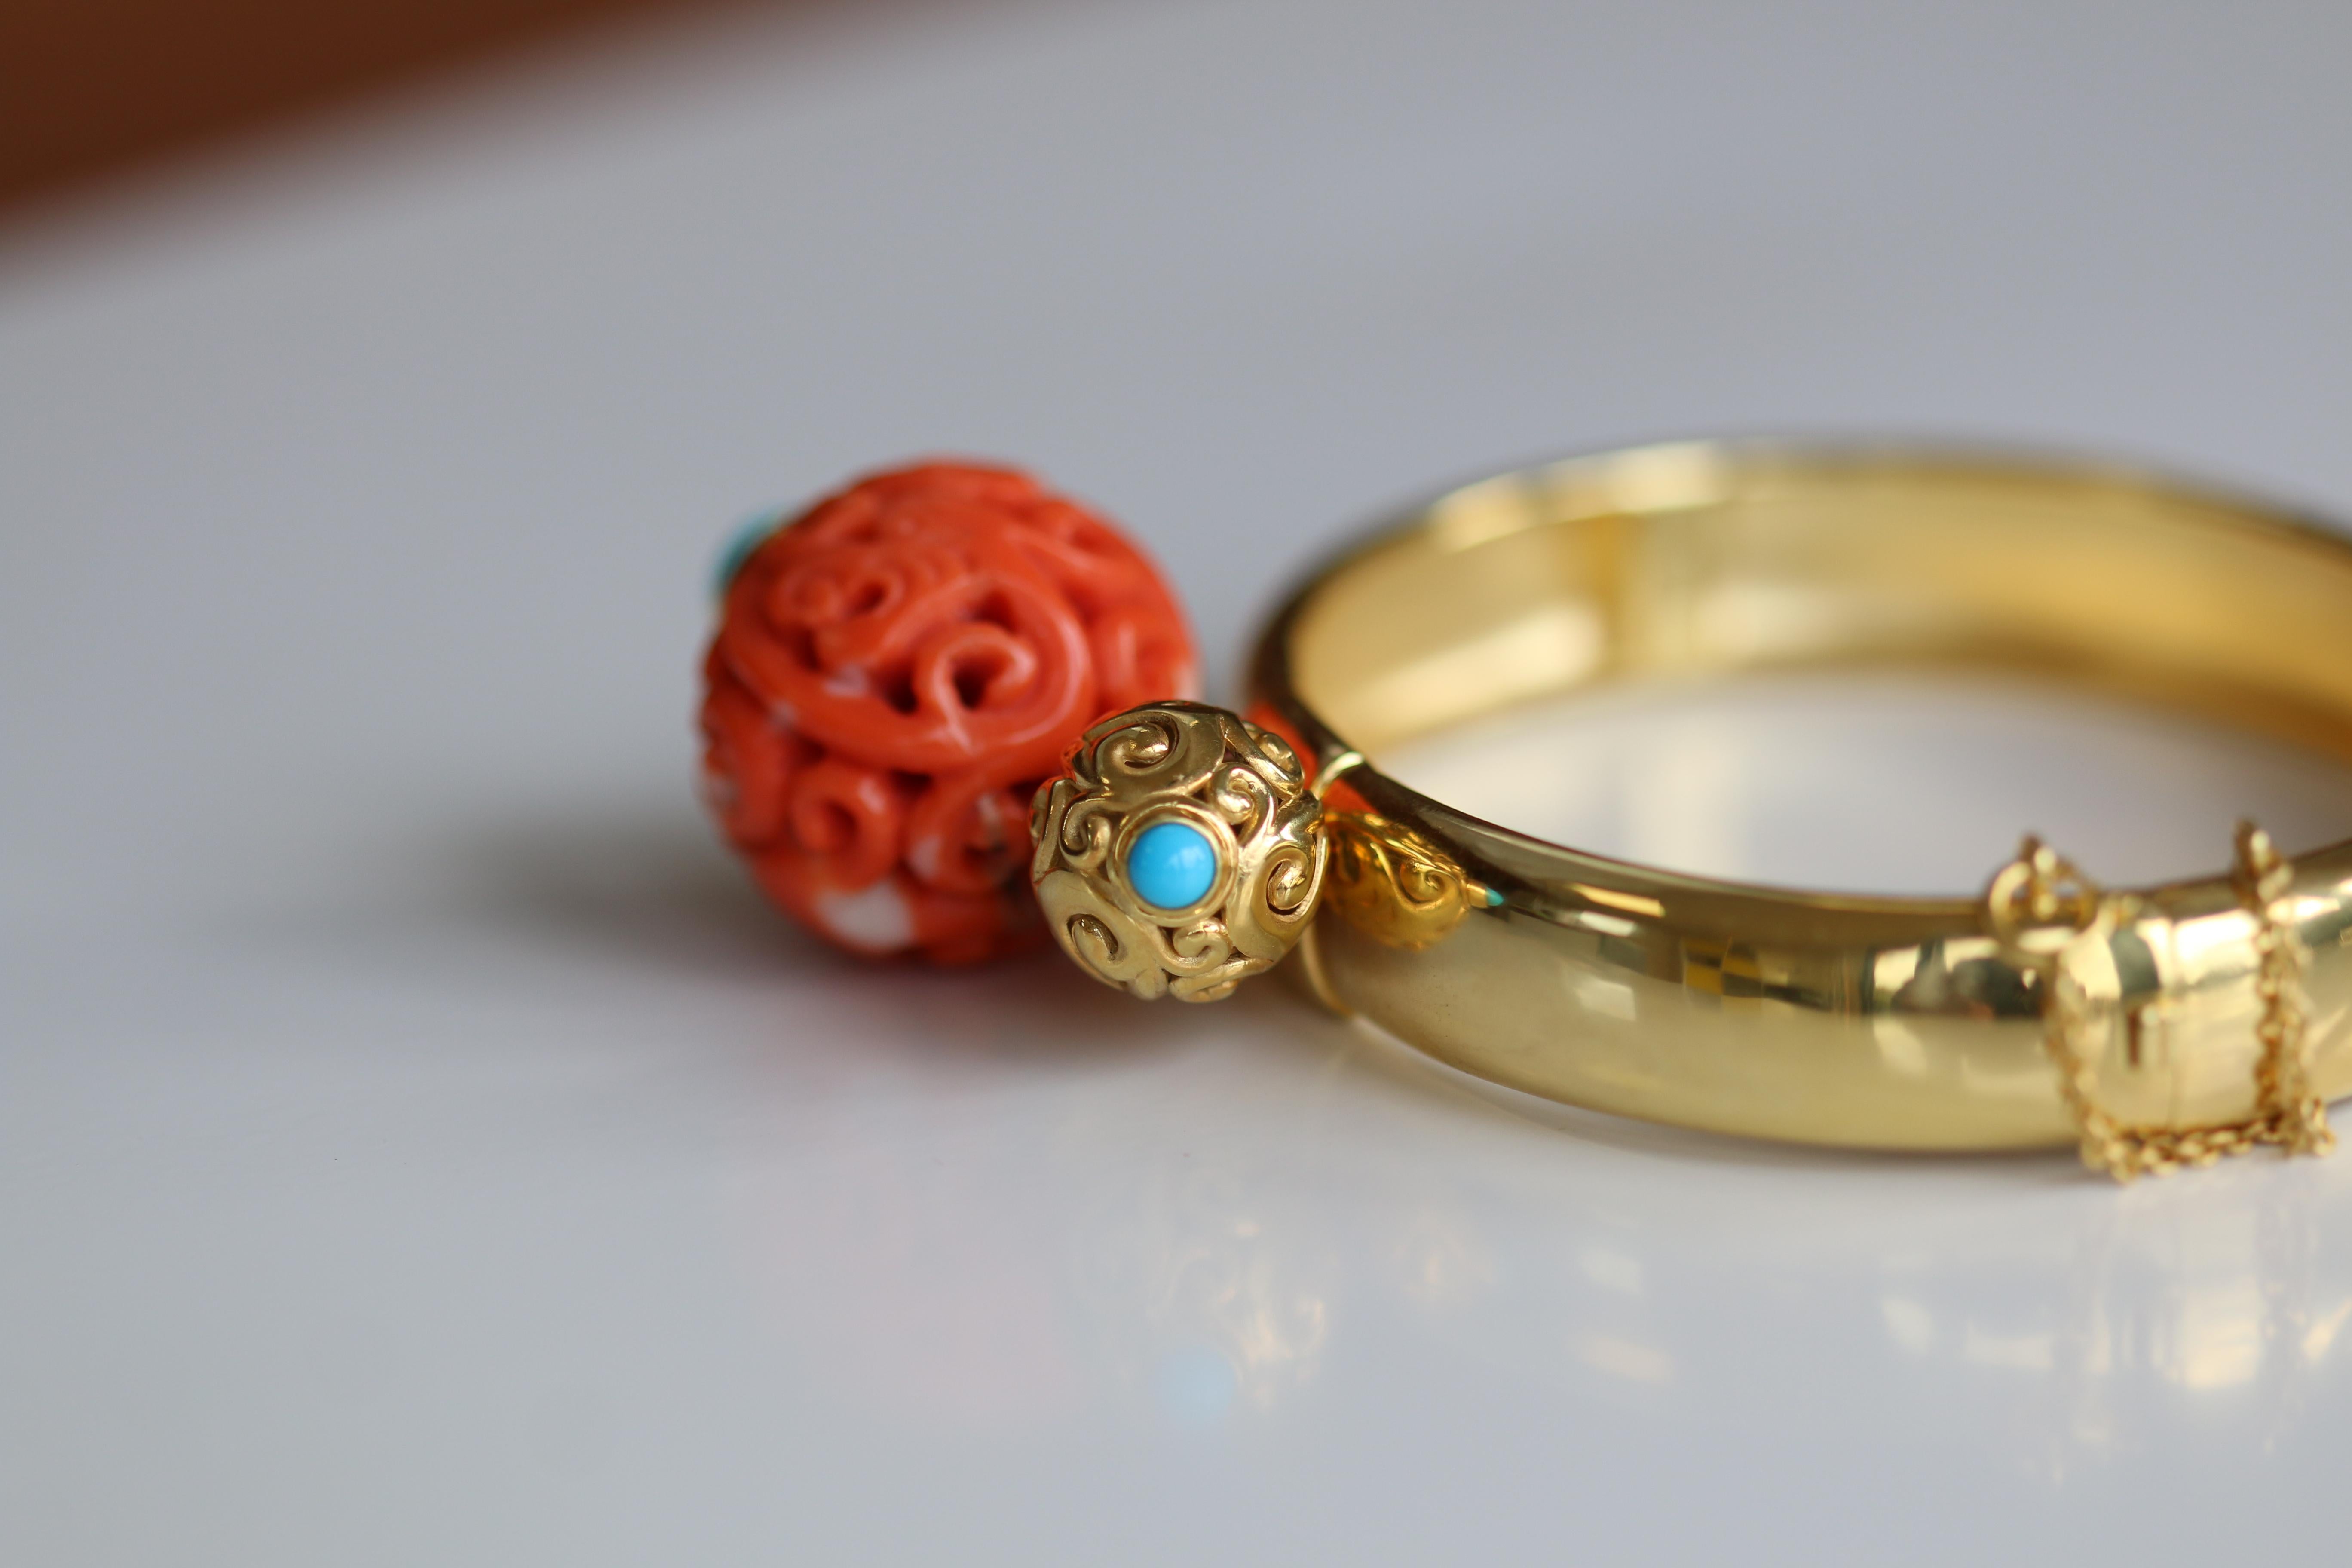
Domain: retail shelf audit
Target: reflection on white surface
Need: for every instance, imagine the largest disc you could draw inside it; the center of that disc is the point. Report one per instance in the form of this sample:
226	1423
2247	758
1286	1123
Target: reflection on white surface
1613	1270
1205	1285
1437	1263
1625	1359
1909	1324
2026	1352
1203	1279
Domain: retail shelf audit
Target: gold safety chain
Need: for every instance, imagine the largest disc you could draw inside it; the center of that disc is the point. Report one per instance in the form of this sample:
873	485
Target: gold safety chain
2290	1111
2045	913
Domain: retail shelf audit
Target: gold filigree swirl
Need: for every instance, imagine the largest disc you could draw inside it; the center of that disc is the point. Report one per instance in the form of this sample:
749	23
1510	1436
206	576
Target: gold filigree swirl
1242	789
1391	885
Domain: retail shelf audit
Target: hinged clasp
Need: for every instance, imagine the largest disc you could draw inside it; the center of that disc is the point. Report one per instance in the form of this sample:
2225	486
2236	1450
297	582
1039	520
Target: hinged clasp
2051	919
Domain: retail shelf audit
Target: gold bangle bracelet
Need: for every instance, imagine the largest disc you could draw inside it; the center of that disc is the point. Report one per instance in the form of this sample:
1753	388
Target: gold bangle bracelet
2158	1027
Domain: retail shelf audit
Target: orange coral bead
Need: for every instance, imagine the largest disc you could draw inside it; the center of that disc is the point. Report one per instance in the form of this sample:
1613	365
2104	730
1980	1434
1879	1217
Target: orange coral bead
895	671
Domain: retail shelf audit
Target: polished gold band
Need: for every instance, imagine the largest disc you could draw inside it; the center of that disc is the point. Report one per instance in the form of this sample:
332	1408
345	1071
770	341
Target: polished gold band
2158	1027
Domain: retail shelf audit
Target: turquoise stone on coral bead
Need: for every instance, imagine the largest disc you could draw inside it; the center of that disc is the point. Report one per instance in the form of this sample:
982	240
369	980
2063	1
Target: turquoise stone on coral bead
1171	865
748	537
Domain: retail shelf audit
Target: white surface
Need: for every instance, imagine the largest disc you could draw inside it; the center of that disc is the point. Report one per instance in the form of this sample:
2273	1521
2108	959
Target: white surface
417	1146
1877	782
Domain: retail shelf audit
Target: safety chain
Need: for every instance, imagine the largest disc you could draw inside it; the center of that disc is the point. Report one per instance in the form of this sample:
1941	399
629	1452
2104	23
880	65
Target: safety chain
2042	909
2293	1113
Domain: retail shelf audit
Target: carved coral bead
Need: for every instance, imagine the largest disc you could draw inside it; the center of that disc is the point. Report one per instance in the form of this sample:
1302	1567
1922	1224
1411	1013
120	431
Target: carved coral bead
894	673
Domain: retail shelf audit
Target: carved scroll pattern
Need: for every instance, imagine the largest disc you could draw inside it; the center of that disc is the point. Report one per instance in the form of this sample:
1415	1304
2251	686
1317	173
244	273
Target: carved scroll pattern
1392	885
1242	787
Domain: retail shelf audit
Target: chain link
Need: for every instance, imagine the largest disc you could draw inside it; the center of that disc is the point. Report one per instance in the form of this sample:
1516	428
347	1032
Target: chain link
2044	910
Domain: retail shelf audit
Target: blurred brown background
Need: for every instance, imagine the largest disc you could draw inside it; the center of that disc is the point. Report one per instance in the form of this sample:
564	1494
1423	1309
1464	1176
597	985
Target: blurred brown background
91	87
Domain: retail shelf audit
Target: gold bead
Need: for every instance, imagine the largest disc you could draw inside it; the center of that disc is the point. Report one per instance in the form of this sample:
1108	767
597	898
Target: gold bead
1202	777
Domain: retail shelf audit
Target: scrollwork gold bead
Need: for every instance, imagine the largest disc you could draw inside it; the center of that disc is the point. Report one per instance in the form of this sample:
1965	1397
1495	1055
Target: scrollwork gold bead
1178	852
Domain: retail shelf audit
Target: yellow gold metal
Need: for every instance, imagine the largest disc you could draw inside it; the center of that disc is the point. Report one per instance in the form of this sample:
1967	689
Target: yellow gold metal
1241	788
2054	921
2186	1020
2294	1115
1390	885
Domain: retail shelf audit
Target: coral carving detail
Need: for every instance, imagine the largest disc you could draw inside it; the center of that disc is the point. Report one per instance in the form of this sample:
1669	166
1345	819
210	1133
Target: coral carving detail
894	673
